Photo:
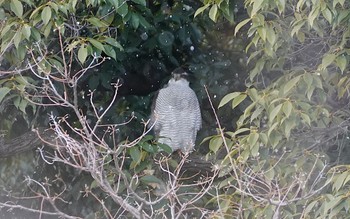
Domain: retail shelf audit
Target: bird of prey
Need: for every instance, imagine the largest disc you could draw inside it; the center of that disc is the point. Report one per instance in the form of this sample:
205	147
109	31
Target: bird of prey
176	116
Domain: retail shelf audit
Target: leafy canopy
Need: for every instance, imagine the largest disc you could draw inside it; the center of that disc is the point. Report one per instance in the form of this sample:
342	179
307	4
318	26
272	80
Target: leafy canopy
294	125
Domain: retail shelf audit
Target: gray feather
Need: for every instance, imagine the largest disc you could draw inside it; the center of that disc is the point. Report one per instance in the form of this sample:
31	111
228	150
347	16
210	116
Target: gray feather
177	115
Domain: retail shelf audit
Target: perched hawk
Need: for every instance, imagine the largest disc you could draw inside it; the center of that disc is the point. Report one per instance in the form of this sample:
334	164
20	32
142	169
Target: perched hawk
176	114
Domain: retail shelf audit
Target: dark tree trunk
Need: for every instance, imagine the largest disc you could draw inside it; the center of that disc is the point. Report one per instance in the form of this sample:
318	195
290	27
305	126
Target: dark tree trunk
43	136
25	142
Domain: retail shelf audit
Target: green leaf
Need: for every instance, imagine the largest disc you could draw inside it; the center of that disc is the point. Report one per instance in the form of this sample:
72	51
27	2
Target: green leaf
274	139
341	62
287	108
256	113
274	112
241	130
243	157
289	124
262	33
46	15
328	15
96	44
17	39
347	179
263	138
215	143
2	14
73	4
337	204
341	2
140	2
213	12
308	79
270	174
147	138
315	12
290	84
310	207
227	10
135	154
6	28
21	52
253	94
327	60
56	64
224	183
110	51
201	9
35	34
317	81
97	22
23	105
206	139
238	100
281	5
123	9
241	24
150	179
26	31
3	92
301	37
339	182
17	101
296	27
147	147
24	80
63	9
115	3
256	7
72	45
145	23
48	29
17	7
135	21
271	36
165	148
306	118
254	150
36	11
253	139
53	6
82	54
247	111
227	98
257	69
342	15
310	91
114	43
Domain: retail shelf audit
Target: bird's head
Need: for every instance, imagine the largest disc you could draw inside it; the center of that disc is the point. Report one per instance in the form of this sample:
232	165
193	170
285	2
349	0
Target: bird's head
179	73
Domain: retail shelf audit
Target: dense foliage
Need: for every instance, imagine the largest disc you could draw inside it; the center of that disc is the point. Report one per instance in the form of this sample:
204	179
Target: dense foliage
144	42
289	153
74	65
280	149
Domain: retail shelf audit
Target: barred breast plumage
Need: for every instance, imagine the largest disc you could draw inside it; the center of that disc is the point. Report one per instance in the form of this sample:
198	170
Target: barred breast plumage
177	115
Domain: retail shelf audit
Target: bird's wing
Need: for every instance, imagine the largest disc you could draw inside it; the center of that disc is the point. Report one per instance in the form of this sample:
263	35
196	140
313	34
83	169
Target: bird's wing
153	117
